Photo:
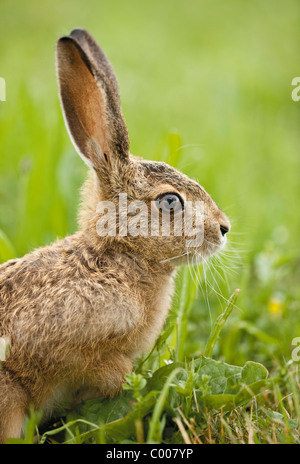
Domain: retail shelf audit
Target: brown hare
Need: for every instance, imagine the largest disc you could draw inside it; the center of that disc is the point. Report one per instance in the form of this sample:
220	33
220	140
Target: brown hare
76	314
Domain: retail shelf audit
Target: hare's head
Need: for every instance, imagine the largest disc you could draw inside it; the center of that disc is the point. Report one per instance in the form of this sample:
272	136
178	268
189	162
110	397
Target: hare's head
143	206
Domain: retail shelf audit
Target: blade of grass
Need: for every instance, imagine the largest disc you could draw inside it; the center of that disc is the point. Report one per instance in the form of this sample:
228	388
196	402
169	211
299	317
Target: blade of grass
219	324
188	292
154	423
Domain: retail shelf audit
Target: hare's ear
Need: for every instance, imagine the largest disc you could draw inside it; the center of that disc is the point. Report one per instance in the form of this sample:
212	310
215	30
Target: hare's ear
90	101
97	56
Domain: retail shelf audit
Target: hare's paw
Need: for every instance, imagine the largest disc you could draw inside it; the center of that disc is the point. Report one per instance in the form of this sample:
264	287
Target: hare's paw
13	407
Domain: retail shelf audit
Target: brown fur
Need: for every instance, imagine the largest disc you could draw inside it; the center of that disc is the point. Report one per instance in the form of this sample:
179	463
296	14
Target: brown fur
79	311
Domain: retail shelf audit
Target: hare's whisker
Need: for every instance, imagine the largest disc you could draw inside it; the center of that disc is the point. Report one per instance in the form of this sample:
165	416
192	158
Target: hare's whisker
174	257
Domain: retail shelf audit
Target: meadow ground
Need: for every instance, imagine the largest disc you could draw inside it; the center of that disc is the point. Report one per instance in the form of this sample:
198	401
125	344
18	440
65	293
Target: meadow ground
205	86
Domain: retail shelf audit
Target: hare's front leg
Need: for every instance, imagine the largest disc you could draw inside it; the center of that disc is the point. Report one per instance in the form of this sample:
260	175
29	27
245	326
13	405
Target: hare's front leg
13	407
105	378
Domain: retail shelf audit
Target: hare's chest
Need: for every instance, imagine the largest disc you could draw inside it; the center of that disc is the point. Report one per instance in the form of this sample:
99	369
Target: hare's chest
156	305
129	316
112	316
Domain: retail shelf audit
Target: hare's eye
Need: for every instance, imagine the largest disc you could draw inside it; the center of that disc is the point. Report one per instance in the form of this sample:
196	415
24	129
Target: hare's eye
170	203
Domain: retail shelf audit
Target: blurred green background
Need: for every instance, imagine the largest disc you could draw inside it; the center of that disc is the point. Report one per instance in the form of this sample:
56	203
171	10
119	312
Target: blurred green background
205	85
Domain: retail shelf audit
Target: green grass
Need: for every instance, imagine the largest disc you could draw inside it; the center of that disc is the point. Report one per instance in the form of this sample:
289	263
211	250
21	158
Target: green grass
205	86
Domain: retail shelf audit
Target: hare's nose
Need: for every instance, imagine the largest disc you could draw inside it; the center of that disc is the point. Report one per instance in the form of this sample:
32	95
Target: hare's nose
224	224
224	229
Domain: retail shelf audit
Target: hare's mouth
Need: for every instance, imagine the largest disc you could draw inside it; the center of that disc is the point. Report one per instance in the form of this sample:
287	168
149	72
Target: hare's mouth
202	253
211	248
207	249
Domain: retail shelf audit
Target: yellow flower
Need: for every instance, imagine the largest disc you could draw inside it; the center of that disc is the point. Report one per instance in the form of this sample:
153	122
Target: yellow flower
276	306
